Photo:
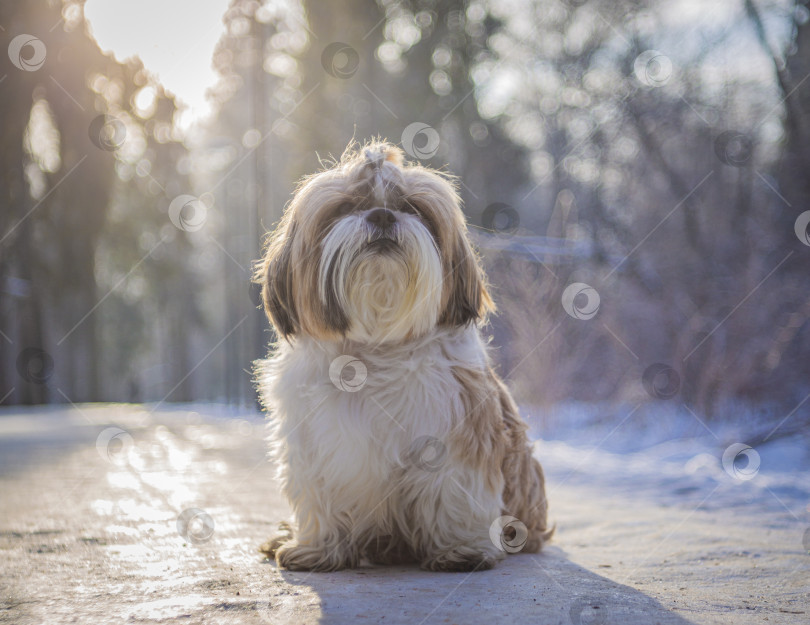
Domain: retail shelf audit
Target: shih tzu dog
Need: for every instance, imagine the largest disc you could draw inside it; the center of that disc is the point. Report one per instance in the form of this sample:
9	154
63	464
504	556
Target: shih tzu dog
394	438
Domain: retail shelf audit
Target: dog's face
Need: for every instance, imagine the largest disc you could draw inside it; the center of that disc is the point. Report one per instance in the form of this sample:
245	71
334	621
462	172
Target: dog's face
372	250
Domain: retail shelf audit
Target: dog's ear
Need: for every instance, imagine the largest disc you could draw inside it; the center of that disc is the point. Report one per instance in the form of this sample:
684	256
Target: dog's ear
468	299
465	296
275	275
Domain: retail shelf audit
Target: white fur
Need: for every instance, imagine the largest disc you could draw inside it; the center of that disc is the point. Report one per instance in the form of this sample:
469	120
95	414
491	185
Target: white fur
389	296
343	457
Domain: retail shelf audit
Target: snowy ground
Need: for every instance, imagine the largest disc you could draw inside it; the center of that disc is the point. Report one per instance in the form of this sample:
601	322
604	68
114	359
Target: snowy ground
652	528
669	455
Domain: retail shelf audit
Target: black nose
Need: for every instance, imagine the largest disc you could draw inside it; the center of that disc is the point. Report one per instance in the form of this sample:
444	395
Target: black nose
382	218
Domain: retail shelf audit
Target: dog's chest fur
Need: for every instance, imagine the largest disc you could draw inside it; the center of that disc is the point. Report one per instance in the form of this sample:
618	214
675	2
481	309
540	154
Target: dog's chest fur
409	392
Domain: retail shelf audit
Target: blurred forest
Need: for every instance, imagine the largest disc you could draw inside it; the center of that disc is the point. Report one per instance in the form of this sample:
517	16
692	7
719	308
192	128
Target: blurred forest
654	154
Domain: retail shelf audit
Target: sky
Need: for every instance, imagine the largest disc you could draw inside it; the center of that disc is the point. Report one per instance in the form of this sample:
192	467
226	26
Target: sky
175	39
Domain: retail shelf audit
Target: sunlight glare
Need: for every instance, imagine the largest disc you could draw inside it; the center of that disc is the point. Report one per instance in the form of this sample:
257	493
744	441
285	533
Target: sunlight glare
175	39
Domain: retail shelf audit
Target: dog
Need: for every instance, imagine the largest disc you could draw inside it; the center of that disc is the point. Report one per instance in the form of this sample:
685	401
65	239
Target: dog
395	440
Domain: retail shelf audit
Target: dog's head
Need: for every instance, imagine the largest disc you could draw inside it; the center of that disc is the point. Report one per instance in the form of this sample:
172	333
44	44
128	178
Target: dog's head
374	250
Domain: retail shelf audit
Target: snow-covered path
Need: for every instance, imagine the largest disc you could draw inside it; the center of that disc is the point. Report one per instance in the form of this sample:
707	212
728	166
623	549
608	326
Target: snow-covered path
648	532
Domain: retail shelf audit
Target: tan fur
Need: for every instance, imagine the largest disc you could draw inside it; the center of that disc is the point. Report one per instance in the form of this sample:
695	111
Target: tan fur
524	495
492	439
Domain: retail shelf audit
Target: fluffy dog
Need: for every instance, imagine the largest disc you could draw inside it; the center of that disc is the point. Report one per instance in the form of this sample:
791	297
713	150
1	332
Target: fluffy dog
394	439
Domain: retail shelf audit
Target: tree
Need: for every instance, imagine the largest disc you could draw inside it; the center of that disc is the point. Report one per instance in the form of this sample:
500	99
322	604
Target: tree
70	125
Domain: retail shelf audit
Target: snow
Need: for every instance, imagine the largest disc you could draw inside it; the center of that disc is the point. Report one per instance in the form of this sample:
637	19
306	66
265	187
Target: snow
673	457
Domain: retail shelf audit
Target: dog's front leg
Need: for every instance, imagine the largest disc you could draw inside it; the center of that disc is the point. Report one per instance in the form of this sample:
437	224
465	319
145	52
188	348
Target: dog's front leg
321	538
453	514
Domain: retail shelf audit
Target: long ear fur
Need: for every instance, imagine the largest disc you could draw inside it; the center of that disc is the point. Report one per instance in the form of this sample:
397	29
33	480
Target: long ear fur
465	296
275	275
469	299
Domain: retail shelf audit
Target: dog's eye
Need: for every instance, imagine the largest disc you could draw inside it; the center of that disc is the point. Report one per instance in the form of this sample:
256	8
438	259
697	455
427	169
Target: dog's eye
334	213
407	207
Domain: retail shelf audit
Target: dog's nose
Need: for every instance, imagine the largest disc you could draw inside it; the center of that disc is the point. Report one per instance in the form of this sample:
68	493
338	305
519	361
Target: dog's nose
382	218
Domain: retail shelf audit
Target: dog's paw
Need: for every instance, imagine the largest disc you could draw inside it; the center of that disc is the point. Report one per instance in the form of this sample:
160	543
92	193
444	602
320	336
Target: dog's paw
461	561
295	557
271	545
